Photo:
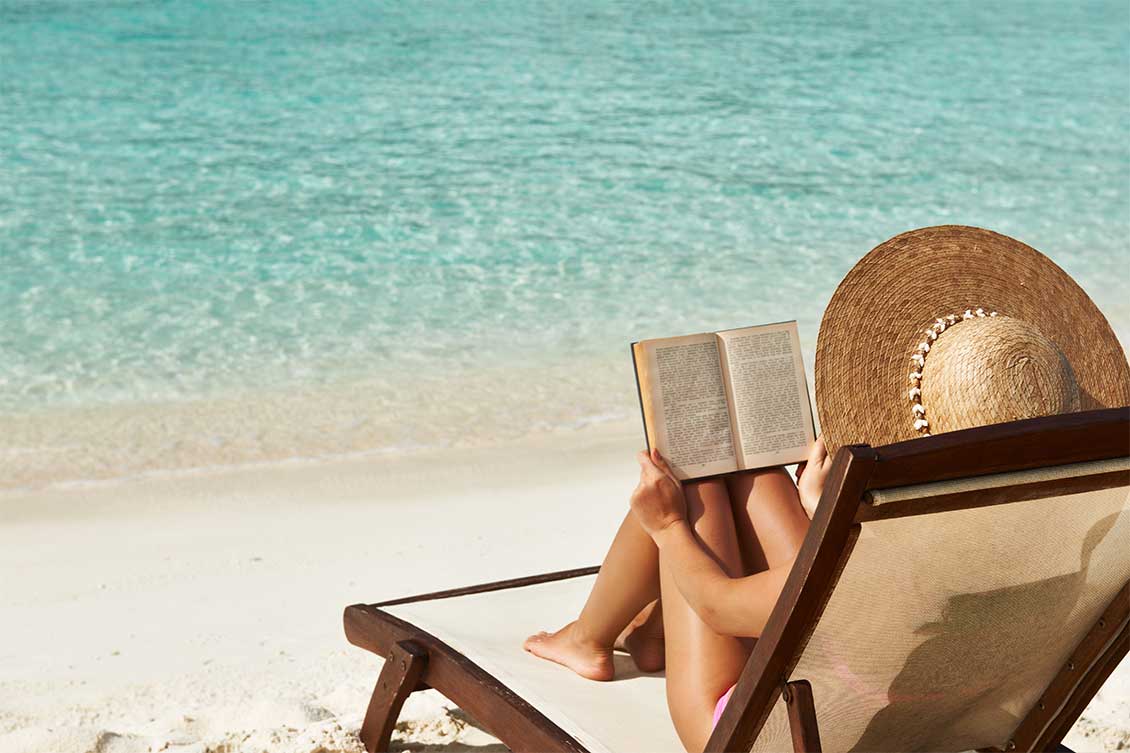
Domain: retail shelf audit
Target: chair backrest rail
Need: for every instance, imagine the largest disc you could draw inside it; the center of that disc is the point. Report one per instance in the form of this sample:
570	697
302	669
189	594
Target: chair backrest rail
1015	446
1061	725
1095	648
876	507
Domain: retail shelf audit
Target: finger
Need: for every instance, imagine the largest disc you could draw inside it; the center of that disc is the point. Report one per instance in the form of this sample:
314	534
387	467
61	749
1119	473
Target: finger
644	460
662	465
647	475
822	451
817	453
648	469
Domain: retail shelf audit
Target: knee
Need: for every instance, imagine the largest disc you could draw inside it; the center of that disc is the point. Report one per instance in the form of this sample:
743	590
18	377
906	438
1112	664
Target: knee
745	486
706	488
705	498
775	474
770	481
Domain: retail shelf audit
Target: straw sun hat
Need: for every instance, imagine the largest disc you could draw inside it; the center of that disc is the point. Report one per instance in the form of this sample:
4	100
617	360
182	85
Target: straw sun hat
950	327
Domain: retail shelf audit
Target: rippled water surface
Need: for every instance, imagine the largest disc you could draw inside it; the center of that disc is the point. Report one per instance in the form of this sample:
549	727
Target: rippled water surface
236	230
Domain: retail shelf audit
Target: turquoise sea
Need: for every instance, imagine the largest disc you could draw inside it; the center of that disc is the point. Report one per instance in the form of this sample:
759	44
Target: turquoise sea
234	231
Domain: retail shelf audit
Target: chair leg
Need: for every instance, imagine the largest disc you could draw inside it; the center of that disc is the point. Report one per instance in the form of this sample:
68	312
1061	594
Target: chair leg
400	676
802	717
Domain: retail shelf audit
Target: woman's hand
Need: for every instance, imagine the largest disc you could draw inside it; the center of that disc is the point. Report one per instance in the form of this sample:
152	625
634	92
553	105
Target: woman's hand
811	474
657	501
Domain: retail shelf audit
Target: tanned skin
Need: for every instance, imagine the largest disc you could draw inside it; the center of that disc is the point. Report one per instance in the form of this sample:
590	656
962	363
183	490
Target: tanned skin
690	580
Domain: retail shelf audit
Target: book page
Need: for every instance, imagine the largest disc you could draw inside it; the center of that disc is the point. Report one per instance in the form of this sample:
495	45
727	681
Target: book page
764	374
684	402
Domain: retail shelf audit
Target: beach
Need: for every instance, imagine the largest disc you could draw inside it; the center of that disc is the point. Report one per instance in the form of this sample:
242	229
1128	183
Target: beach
305	305
202	611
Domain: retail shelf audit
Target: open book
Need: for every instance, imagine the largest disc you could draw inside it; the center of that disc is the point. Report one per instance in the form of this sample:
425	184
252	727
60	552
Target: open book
725	401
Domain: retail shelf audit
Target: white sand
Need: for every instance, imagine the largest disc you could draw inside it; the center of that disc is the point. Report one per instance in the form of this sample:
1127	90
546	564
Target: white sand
202	612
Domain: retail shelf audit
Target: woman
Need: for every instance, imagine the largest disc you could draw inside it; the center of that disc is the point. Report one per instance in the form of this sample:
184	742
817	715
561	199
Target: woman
719	550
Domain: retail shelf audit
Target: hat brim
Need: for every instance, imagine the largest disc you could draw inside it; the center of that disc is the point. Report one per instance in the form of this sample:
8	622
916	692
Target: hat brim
879	314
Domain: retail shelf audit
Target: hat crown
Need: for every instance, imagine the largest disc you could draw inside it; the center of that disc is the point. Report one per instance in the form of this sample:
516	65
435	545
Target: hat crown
991	370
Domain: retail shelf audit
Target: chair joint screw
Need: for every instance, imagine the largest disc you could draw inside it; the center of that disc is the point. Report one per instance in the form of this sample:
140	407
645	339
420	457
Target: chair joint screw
1071	666
1102	623
1010	745
787	694
1042	706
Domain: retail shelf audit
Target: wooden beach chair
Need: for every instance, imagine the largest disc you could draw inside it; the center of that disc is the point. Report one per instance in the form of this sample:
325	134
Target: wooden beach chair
967	591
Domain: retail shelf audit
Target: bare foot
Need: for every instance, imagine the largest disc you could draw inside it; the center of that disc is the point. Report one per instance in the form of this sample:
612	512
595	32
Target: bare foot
643	639
567	648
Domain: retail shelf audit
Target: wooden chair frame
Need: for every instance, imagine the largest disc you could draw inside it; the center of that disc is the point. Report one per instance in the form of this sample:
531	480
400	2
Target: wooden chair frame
417	660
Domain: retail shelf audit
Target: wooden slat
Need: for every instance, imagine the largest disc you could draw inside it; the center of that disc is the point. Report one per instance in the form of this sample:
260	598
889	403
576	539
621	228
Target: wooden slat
802	717
497	585
504	713
819	562
994	496
401	671
1015	446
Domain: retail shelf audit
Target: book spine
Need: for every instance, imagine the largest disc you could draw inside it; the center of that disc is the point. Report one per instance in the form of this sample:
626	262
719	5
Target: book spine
639	394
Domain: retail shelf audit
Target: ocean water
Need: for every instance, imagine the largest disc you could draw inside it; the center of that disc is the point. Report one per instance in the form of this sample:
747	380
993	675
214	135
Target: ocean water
235	231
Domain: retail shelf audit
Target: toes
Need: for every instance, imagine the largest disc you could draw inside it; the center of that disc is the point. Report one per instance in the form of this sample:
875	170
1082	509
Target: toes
535	640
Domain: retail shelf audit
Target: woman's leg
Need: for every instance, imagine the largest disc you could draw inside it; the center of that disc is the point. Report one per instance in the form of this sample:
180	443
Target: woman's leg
627	585
764	518
771	523
643	638
701	664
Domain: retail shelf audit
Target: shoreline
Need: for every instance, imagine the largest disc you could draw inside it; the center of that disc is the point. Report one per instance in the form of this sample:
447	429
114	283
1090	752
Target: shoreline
61	446
353	475
599	429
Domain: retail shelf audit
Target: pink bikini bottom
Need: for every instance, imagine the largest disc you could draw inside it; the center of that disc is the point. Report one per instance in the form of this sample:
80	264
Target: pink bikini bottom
721	706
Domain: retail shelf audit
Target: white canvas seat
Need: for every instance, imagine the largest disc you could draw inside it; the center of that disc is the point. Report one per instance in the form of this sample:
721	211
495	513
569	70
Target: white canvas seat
488	628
